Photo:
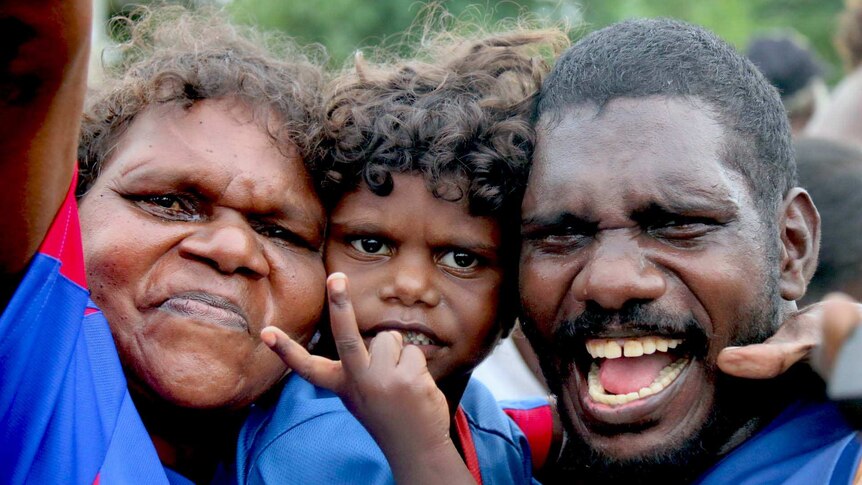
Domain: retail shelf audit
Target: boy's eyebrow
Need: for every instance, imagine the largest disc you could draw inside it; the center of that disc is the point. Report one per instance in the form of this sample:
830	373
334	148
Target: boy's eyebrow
472	245
358	226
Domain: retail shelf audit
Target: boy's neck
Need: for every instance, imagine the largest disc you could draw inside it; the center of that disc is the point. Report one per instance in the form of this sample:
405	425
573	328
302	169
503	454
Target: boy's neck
453	388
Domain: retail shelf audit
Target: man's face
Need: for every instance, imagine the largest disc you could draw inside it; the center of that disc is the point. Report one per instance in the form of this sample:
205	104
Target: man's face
643	256
198	233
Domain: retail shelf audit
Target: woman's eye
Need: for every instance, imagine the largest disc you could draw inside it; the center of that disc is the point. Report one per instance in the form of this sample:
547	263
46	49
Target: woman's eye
370	245
459	260
166	201
173	207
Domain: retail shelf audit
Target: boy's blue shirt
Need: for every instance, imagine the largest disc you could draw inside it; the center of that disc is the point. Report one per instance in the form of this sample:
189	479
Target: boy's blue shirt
308	436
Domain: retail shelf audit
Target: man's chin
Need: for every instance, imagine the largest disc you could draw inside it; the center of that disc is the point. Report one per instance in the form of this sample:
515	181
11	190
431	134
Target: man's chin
670	438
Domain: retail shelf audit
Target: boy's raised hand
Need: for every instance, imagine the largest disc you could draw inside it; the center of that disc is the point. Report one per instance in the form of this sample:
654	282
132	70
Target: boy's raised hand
387	387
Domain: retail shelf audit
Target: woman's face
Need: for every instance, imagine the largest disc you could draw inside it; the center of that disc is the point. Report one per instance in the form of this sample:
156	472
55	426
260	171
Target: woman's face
198	233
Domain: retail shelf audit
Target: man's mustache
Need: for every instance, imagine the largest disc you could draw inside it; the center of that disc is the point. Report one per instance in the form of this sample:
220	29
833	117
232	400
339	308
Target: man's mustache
637	319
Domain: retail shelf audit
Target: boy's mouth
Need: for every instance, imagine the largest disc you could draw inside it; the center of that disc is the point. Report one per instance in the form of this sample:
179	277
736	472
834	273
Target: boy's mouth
625	370
411	333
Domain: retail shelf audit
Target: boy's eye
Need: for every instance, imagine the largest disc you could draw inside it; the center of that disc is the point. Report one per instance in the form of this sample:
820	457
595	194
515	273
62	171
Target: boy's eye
369	245
459	259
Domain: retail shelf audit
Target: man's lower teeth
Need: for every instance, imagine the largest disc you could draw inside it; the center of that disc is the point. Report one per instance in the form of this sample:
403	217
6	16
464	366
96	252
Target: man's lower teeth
665	377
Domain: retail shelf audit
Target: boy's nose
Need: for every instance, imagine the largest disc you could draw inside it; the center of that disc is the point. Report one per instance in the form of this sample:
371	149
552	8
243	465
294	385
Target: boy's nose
411	282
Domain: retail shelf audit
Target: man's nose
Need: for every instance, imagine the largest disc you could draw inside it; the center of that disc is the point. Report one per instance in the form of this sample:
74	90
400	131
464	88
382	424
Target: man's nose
618	272
228	244
411	281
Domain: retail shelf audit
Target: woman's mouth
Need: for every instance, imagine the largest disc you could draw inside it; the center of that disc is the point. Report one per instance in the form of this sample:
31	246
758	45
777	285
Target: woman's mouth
206	307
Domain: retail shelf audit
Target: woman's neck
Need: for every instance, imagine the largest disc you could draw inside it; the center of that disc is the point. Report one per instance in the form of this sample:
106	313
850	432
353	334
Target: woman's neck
192	442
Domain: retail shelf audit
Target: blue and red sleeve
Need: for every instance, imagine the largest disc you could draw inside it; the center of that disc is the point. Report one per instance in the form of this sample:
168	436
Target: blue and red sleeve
535	419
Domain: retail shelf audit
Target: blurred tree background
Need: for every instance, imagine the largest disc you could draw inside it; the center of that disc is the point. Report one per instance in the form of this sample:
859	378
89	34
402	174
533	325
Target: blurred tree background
345	25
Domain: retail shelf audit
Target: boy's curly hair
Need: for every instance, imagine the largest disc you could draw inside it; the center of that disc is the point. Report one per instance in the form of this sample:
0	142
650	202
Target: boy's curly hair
176	56
458	114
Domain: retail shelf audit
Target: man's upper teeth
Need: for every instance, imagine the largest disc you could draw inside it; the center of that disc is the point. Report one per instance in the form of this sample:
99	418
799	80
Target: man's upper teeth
415	338
629	347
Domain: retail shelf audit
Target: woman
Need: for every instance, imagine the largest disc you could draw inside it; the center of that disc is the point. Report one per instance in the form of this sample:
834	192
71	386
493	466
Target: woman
202	225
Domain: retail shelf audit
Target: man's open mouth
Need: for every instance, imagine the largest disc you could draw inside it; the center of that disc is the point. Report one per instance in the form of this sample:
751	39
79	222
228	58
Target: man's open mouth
624	370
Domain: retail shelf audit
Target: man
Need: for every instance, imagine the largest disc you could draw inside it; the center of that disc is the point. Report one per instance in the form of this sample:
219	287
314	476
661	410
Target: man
661	224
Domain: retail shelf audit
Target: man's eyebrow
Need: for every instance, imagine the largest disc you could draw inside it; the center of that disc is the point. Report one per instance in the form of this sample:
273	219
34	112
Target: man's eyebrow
682	197
697	204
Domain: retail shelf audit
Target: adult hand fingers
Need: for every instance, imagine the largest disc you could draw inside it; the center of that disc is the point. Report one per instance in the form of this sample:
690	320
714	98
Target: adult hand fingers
793	342
320	371
760	361
345	331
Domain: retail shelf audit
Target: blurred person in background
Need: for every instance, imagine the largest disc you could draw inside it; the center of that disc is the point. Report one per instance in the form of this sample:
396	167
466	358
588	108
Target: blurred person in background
841	117
794	69
832	174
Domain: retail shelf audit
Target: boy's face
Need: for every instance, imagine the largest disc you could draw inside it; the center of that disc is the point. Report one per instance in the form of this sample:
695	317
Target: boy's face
422	266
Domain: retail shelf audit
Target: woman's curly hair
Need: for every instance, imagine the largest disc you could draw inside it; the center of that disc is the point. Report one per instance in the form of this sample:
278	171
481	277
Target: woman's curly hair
177	56
458	113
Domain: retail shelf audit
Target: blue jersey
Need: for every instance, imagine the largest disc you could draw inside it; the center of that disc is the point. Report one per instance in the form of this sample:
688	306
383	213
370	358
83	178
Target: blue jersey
808	443
310	437
65	412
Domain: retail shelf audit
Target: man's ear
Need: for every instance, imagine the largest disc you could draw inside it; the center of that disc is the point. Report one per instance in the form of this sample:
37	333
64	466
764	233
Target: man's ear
799	228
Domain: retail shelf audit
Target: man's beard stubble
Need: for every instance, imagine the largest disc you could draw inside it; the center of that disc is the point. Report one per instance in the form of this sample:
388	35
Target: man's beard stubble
739	409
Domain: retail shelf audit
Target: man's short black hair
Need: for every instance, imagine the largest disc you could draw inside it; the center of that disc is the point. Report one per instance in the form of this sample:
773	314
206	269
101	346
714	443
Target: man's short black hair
664	57
832	174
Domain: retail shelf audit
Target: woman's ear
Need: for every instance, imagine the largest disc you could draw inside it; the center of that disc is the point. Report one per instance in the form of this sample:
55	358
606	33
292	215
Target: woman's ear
799	228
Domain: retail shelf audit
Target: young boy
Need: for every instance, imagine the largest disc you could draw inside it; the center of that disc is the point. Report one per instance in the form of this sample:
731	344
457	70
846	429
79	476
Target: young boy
429	160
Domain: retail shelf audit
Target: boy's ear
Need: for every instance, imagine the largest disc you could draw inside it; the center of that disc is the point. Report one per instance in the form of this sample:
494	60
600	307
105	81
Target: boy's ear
799	228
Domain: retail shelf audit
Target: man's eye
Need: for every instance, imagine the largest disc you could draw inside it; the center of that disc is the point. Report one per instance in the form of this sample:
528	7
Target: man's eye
682	228
459	260
369	245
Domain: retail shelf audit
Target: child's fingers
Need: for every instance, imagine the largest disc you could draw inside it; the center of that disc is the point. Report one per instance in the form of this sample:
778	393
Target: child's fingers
384	351
320	371
345	331
413	360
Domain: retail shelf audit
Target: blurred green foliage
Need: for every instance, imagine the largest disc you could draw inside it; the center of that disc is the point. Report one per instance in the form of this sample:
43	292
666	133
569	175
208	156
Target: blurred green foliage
345	25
